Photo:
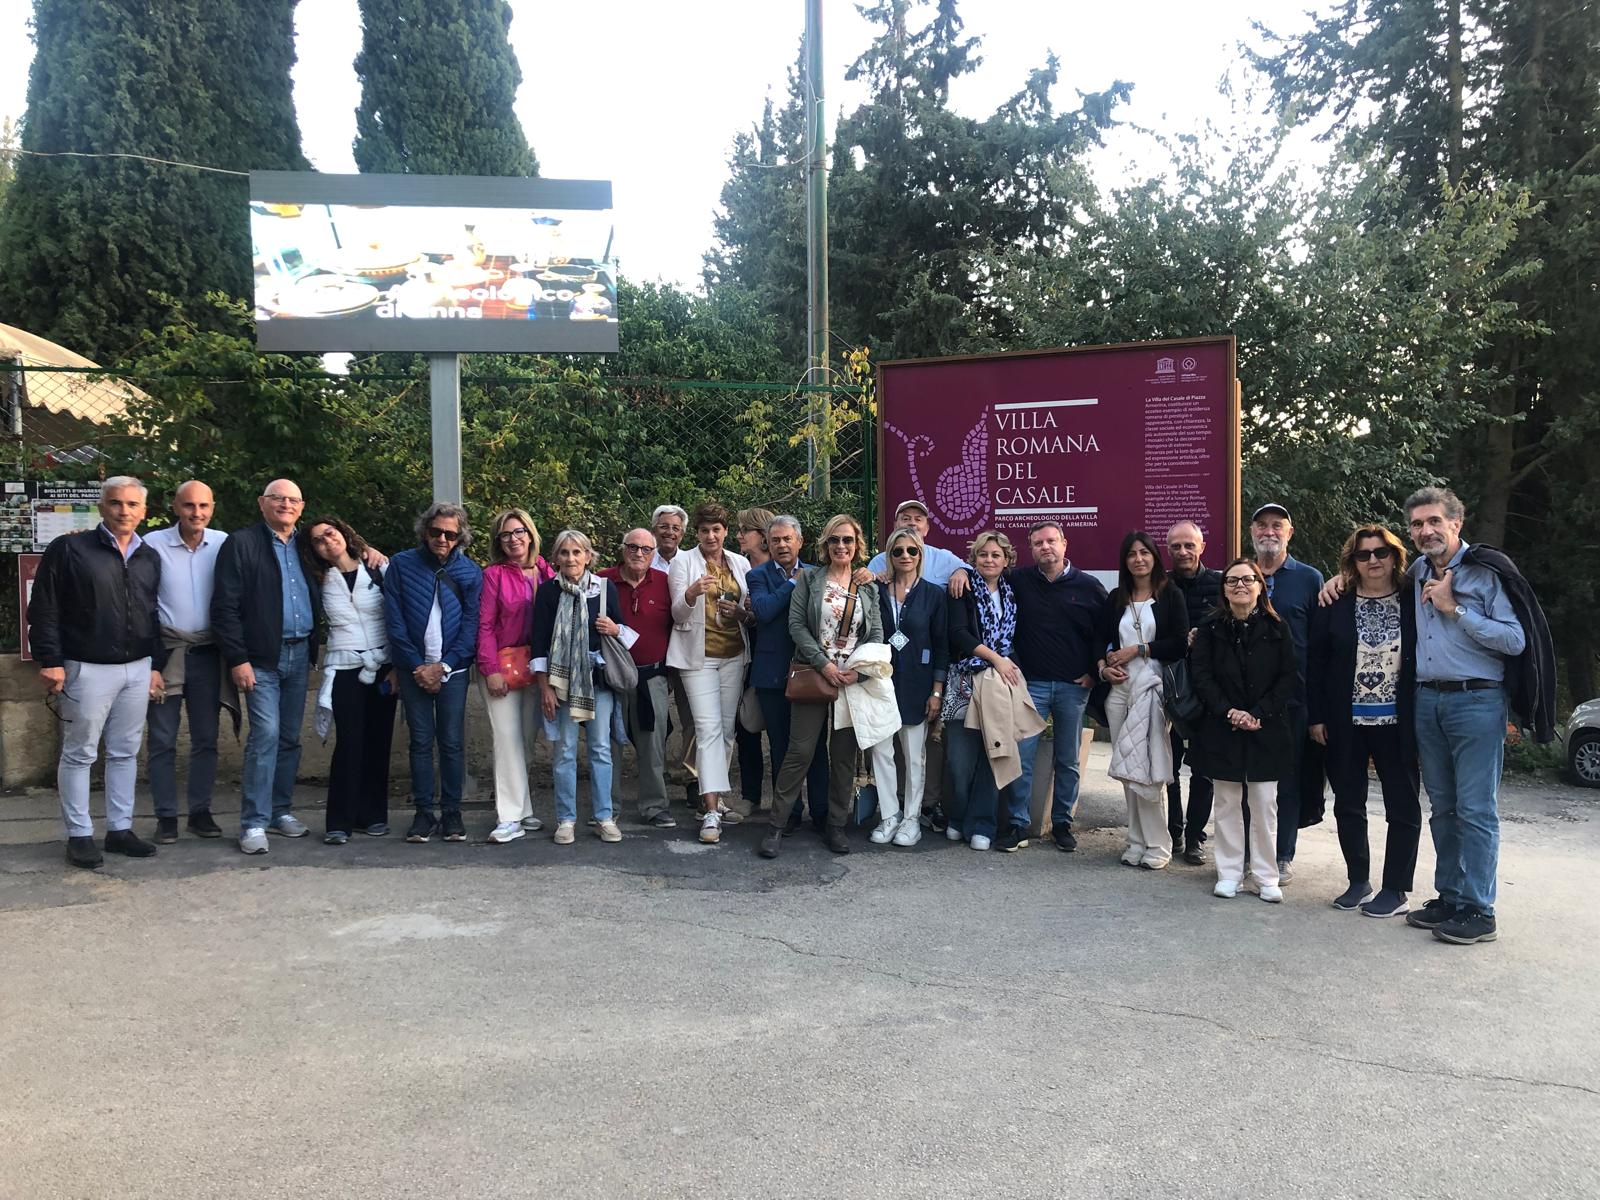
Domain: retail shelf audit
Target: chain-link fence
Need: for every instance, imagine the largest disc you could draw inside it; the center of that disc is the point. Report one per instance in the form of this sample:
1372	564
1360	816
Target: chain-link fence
575	448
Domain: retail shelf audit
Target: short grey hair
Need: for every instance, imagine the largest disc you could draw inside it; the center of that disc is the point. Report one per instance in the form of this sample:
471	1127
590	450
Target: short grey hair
118	482
786	520
672	509
1451	503
449	511
572	535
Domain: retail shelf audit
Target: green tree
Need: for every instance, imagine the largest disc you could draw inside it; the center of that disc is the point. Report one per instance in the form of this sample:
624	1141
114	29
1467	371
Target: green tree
438	88
10	142
92	250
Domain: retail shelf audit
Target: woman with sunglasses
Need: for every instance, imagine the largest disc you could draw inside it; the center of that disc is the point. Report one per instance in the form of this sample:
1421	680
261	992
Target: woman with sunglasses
1243	668
1144	623
1361	662
505	632
915	617
358	693
832	611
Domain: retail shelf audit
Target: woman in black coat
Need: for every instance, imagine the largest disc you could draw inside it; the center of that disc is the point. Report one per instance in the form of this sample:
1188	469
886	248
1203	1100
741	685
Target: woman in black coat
916	626
1242	667
1361	667
1144	623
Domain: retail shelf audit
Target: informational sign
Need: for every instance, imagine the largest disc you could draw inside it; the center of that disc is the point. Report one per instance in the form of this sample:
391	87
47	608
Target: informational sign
432	263
1101	439
27	568
34	514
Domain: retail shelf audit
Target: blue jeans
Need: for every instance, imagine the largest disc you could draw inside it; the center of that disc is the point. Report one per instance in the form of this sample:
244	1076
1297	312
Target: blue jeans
566	759
975	800
1461	742
1063	700
277	704
775	708
436	717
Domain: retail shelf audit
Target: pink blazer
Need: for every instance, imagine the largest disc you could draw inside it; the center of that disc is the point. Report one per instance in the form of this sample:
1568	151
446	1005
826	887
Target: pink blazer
505	613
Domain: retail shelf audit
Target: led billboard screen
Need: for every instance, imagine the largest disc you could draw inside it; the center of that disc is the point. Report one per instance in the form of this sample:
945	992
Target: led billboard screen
432	263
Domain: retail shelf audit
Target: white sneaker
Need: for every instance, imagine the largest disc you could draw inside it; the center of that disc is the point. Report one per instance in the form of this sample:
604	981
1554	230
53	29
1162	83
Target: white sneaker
1226	888
608	831
711	827
532	824
566	832
1132	855
506	831
1272	893
979	842
885	830
909	833
951	832
253	840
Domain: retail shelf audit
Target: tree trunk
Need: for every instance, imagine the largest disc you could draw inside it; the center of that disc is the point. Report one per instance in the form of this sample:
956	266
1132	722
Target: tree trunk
1457	77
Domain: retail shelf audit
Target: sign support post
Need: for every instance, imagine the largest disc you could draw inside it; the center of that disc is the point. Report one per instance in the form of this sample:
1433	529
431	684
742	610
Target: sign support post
820	468
444	395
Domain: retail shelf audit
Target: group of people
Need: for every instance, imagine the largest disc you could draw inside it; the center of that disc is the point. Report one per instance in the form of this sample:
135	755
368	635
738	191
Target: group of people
942	671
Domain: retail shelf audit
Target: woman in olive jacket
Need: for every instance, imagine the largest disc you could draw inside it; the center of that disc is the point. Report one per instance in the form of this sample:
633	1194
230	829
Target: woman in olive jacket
1243	669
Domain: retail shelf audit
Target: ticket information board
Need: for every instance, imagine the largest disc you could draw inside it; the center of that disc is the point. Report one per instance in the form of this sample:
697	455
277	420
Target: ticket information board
1102	439
34	513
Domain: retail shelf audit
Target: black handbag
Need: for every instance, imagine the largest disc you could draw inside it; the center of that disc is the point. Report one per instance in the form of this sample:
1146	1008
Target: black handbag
1178	699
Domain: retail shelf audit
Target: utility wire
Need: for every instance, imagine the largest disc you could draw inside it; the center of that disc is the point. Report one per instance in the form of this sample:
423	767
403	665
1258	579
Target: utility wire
168	162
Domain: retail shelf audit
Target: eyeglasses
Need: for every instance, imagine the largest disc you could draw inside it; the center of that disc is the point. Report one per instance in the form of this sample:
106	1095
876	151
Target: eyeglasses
327	535
636	548
1240	583
450	535
1379	552
507	535
838	540
273	498
905	552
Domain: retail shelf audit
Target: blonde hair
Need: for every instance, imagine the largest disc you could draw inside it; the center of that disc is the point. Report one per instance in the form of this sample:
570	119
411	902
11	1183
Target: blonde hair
906	535
999	539
828	530
497	550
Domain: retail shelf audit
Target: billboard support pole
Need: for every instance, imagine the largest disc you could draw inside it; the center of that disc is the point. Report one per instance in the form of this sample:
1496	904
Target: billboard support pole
817	374
444	395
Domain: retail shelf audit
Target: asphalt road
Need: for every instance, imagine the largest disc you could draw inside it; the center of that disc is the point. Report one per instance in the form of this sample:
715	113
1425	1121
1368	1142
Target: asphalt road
661	1019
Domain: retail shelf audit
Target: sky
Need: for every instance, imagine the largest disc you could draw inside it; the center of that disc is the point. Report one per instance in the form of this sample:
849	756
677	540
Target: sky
650	95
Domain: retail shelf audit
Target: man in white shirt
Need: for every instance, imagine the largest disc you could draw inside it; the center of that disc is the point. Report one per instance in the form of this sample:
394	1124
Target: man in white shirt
188	552
938	565
668	523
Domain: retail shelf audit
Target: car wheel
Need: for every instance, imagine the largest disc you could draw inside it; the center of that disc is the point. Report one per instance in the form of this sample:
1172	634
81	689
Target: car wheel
1583	756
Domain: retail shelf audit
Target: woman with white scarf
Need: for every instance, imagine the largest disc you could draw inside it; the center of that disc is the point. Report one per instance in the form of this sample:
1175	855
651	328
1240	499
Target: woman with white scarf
1144	623
570	614
358	695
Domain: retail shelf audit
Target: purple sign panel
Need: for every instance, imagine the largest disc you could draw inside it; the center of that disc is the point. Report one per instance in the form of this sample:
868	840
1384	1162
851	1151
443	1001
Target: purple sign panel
1103	439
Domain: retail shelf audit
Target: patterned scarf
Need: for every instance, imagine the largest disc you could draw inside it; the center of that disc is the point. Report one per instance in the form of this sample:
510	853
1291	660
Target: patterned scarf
571	667
997	629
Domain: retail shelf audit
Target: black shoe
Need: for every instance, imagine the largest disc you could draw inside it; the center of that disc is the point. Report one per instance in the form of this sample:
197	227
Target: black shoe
1194	854
1353	896
201	824
1064	839
82	852
1466	927
836	841
771	844
1432	914
166	830
792	825
1011	839
935	819
423	826
126	841
454	830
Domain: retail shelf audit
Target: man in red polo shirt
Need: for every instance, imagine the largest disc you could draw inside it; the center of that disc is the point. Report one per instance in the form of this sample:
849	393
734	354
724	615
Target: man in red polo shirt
647	606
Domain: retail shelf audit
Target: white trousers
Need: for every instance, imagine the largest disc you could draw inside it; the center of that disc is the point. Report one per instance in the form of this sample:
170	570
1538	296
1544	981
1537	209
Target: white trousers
1149	839
714	692
109	699
914	745
511	720
1227	819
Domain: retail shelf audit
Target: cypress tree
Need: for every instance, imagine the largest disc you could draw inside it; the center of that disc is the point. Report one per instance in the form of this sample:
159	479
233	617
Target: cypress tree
438	83
89	247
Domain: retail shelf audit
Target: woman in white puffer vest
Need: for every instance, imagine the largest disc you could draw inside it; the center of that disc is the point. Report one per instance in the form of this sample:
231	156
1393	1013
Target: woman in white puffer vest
358	694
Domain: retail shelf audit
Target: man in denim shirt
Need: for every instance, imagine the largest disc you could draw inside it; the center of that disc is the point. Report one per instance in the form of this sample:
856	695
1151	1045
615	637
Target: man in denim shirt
1467	629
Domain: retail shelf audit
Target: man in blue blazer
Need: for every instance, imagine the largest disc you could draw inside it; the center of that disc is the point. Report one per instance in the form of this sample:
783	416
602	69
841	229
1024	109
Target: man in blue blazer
771	584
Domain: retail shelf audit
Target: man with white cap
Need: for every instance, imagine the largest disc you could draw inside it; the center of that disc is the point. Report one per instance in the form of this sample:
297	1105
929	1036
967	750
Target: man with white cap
938	565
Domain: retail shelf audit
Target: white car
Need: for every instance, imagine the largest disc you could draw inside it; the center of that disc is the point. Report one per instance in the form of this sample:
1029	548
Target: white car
1583	743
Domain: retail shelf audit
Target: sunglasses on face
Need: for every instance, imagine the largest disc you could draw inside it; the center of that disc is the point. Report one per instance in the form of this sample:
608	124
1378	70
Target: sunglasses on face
1239	582
905	552
327	535
837	540
448	535
1378	552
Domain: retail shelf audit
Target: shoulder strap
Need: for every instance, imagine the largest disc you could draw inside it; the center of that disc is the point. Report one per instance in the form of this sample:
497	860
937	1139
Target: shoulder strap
444	573
375	575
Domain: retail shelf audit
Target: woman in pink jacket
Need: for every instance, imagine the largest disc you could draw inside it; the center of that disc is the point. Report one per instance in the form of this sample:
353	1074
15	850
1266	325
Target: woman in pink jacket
505	621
